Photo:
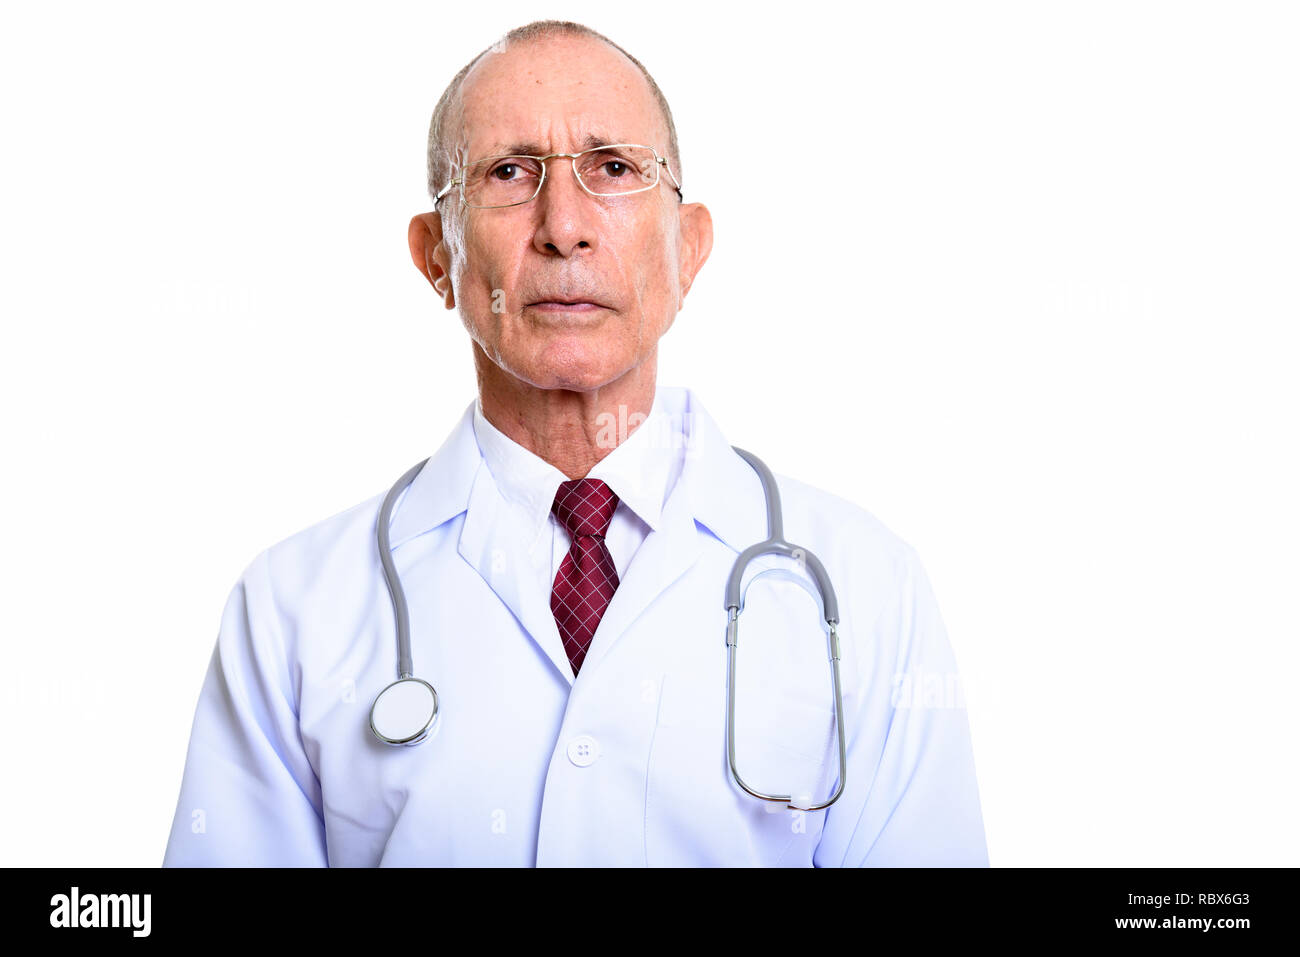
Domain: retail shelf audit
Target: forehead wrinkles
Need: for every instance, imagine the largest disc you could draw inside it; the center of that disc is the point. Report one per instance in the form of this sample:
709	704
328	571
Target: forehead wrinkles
545	90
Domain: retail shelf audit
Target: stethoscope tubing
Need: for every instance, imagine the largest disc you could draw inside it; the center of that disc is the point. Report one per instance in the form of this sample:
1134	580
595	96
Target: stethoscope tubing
404	666
774	544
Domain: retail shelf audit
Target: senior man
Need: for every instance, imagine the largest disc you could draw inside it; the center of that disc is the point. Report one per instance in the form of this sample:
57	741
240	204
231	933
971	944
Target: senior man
563	559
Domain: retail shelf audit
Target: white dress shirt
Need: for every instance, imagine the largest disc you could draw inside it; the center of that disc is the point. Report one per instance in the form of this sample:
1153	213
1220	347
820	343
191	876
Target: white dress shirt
641	471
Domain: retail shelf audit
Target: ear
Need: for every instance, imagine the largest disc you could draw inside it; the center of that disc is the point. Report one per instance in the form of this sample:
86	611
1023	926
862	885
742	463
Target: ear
429	253
697	243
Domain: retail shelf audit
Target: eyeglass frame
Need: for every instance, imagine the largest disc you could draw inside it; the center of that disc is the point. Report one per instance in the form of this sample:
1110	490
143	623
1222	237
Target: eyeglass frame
457	179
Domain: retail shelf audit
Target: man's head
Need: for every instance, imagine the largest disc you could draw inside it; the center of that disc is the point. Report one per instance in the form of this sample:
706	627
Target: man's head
558	88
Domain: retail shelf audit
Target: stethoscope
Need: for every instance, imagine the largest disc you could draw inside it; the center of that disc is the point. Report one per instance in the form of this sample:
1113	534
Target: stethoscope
406	711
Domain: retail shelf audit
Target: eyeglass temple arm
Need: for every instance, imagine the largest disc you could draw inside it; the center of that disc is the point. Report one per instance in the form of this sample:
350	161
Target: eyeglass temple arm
443	192
663	161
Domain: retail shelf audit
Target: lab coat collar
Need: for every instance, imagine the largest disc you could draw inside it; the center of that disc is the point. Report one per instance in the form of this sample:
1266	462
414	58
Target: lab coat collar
716	489
637	469
723	492
441	490
526	481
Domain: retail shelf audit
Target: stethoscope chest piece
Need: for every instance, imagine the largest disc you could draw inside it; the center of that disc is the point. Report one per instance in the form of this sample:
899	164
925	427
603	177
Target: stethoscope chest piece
405	712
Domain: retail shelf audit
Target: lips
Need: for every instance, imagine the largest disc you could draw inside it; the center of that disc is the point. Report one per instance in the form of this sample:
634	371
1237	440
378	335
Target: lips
589	303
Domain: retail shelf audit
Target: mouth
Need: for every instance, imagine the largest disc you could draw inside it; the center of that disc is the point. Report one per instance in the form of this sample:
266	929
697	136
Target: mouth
566	305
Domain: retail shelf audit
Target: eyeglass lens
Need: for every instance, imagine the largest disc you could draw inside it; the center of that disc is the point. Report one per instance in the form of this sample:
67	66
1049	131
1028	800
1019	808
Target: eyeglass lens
606	171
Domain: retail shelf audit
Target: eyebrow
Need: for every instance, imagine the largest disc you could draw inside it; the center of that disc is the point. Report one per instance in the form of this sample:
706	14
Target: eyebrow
525	148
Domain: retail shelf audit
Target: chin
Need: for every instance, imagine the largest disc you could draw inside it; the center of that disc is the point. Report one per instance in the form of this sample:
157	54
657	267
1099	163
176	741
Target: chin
581	369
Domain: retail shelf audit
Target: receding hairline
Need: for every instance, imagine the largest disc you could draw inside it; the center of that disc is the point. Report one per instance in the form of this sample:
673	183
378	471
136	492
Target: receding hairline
448	113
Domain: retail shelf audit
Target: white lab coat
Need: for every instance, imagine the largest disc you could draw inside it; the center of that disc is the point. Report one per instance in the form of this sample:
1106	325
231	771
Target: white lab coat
624	765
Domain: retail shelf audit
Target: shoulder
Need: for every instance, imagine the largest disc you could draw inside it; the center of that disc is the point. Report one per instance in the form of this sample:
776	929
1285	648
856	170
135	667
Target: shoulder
871	567
323	556
845	530
880	583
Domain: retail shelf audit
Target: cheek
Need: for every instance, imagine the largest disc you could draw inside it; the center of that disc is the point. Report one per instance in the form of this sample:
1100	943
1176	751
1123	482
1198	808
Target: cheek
658	271
489	262
471	286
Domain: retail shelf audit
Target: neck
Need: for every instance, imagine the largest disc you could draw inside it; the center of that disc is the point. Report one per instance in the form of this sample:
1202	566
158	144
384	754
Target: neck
571	429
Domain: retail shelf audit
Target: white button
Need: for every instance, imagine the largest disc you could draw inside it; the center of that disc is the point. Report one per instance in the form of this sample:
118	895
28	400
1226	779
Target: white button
584	750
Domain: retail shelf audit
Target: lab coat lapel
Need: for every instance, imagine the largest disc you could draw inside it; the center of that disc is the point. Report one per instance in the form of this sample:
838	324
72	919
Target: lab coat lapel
716	489
490	542
663	557
457	480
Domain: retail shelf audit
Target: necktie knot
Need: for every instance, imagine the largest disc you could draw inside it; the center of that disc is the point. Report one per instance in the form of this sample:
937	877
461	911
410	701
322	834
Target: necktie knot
585	506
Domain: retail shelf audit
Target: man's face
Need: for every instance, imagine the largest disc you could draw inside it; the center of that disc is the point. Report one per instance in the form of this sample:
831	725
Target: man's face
624	257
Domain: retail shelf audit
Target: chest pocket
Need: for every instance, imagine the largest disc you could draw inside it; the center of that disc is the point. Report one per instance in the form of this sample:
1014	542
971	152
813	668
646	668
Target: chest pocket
785	742
785	705
780	741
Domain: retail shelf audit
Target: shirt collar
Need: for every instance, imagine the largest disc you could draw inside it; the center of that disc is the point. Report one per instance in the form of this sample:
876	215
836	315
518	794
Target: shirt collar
522	478
724	492
641	469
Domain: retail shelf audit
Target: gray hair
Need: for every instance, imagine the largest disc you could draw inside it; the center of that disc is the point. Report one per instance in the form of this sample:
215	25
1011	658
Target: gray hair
440	157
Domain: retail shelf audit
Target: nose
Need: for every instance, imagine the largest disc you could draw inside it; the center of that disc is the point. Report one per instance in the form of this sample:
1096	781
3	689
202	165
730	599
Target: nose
566	215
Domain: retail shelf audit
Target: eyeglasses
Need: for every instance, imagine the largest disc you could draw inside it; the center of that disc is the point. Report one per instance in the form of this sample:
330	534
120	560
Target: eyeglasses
619	169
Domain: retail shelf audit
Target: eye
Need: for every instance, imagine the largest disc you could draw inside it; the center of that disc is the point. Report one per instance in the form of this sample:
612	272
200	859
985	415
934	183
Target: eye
615	168
504	171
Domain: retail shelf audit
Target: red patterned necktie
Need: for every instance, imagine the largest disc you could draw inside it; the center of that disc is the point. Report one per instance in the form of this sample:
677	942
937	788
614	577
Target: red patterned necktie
586	580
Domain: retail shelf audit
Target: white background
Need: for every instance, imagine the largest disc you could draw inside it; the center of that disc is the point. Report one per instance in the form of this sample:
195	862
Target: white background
1018	278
